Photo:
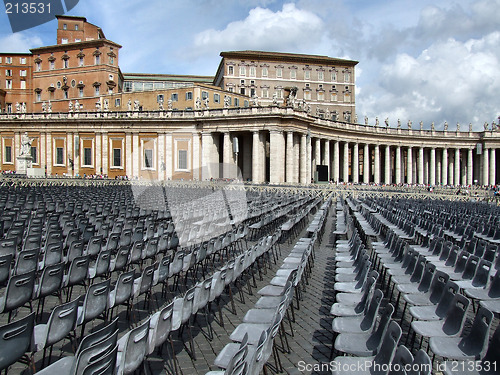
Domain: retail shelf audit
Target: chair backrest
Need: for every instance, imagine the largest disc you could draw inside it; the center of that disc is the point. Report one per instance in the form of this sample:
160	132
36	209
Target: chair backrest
102	263
75	250
363	302
94	246
92	338
493	352
425	282
160	327
96	300
389	344
51	280
202	294
237	364
461	261
402	359
482	275
438	286
94	353
178	304
19	290
105	365
78	270
26	261
124	287
372	311
8	246
477	340
418	271
16	338
187	307
5	263
421	364
470	267
385	319
53	254
62	321
135	348
455	316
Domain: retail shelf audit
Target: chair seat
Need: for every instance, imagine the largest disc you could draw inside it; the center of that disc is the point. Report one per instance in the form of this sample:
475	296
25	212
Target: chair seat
61	367
339	309
349	298
432	328
254	332
268	302
352	365
40	336
417	299
271	290
228	352
359	344
349	324
453	348
493	305
260	316
425	313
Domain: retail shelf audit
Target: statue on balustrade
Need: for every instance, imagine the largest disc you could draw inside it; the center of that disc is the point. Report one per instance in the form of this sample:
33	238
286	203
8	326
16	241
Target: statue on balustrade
227	101
327	114
356	118
485	125
255	100
399	124
275	99
409	124
106	105
160	103
70	106
376	121
44	107
205	103
170	104
421	125
366	120
18	107
136	105
77	106
197	103
458	127
470	126
26	145
129	105
432	126
445	126
386	121
49	107
98	105
23	107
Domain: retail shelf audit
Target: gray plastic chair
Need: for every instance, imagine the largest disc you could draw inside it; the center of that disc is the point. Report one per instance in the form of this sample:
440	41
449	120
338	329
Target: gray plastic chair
76	275
26	261
488	364
436	312
122	292
101	266
16	338
120	260
363	323
382	359
492	291
52	255
402	358
105	365
354	298
61	323
339	309
94	303
365	344
237	364
470	346
18	292
132	349
50	283
5	264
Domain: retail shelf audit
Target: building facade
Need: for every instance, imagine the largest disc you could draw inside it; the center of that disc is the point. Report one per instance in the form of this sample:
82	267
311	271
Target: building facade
326	84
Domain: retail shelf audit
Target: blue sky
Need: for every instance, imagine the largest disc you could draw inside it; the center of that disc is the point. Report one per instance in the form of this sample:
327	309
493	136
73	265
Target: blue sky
430	61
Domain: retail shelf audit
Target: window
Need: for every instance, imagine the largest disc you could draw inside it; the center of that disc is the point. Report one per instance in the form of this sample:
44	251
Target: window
77	40
87	156
246	103
333	97
59	84
334	76
279	73
8	60
8	84
117	157
80	61
117	102
189	95
23	85
242	91
111	60
97	59
265	93
293	74
60	156
33	155
236	102
97	91
216	98
76	27
65	63
230	70
159	98
182	159
65	26
230	89
243	71
38	96
279	94
321	96
204	95
148	158
64	41
8	72
264	72
65	94
175	97
80	92
307	95
22	60
307	74
73	83
8	107
8	154
252	71
52	65
38	66
347	76
321	76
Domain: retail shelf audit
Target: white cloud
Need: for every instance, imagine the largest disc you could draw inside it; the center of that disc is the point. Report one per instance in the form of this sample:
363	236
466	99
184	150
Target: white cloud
288	29
19	42
450	81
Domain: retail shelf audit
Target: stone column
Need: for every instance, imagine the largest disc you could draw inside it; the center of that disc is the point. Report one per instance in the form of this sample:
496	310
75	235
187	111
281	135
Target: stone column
451	172
486	167
409	165
326	157
16	150
289	156
317	157
376	174
421	165
276	157
398	164
129	155
43	154
255	156
336	161
387	164
366	164
346	162
355	163
69	143
227	155
457	166
105	148
49	154
137	154
161	156
432	177
492	166
309	160
303	159
169	156
196	165
444	167
470	167
98	153
439	173
296	158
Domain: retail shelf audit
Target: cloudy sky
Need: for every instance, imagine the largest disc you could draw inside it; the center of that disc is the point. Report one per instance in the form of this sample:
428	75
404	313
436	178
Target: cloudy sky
423	60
